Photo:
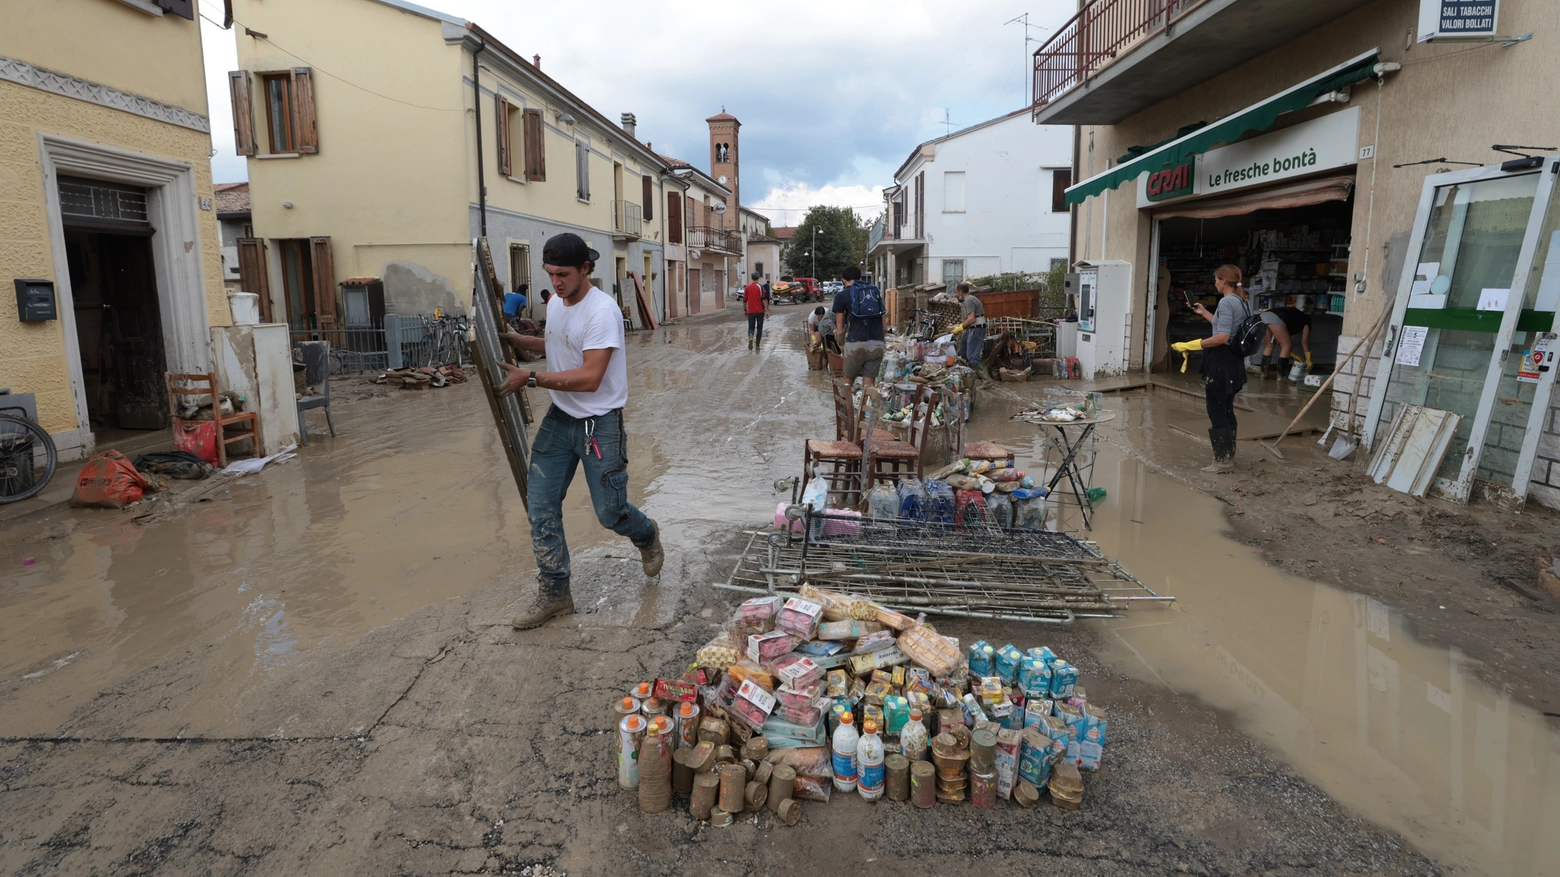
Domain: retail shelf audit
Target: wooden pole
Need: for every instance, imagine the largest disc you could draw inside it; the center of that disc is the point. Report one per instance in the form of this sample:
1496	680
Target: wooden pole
1363	342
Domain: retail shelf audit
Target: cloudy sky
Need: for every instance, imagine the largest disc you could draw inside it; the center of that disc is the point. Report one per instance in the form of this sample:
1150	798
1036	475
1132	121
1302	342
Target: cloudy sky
832	94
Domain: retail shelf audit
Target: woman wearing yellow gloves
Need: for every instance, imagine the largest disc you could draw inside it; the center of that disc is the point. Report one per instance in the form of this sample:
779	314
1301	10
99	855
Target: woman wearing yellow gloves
1223	369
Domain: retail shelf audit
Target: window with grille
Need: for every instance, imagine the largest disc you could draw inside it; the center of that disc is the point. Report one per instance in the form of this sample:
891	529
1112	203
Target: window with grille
520	268
96	201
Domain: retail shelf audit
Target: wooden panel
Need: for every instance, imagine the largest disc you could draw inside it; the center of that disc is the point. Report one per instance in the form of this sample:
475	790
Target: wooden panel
510	414
243	112
324	280
1022	303
535	148
674	218
304	130
501	134
648	198
252	276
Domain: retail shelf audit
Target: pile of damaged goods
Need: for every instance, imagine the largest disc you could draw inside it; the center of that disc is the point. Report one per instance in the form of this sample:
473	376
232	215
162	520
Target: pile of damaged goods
827	693
422	378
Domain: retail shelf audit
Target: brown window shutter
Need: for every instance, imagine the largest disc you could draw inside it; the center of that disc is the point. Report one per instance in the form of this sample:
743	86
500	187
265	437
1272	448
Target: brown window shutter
324	280
648	199
674	218
181	8
501	124
304	130
243	113
252	275
1060	180
535	155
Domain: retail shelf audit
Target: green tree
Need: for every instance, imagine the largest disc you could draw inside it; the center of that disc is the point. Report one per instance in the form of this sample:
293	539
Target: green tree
841	241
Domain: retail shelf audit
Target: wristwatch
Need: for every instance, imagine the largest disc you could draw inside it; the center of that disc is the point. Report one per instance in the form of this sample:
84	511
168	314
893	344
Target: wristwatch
530	380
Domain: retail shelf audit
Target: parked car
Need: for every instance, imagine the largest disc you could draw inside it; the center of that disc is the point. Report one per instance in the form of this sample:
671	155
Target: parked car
797	289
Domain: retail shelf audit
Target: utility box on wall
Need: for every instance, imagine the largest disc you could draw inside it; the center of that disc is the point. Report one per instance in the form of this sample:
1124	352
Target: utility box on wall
1104	317
35	301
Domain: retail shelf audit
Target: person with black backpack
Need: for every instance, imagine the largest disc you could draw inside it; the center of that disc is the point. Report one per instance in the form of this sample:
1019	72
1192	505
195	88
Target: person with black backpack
1223	361
858	318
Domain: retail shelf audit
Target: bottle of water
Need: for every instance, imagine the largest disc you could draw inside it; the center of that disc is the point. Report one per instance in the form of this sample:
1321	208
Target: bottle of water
869	762
913	737
845	740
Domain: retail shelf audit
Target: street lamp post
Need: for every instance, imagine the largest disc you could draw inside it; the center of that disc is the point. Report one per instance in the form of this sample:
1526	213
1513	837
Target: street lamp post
815	253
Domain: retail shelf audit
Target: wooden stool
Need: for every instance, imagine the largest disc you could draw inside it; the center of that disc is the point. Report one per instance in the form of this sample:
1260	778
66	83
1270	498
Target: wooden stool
987	451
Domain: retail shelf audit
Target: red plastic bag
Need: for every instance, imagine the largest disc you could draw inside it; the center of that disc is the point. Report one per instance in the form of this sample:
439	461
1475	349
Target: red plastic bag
109	481
198	438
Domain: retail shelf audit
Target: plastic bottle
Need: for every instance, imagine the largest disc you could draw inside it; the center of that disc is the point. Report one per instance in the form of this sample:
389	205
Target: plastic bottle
655	772
845	740
913	737
869	762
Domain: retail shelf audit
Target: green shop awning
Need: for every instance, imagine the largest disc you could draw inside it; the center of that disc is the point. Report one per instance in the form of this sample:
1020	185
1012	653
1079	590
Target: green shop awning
1258	117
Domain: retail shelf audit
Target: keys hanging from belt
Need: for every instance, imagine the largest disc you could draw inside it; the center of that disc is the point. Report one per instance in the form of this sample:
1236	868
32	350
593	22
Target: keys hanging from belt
590	437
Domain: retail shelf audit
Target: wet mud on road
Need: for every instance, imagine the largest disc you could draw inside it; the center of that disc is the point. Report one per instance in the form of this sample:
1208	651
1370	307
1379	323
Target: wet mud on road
314	673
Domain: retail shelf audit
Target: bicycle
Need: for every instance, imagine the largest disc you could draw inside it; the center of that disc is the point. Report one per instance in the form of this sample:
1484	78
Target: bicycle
450	343
22	472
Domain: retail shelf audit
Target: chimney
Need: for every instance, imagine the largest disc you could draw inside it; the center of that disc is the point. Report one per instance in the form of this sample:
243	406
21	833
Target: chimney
628	125
536	61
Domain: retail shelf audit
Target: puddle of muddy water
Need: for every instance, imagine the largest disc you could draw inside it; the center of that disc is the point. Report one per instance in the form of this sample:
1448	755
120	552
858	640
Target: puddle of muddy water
1401	732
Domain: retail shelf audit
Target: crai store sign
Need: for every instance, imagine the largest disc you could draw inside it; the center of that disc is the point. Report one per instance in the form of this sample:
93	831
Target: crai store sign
1331	141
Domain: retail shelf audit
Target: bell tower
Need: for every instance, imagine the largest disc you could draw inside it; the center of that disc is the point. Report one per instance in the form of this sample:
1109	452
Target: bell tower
723	162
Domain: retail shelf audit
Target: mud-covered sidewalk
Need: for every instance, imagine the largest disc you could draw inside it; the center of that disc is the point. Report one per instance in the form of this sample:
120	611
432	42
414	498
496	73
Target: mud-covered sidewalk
313	672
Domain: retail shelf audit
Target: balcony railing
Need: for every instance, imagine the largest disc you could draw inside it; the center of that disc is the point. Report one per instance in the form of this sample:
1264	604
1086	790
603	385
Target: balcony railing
909	226
703	237
626	218
1101	32
876	233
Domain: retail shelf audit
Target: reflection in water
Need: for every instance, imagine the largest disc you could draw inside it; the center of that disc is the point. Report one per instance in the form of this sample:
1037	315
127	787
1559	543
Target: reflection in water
1401	732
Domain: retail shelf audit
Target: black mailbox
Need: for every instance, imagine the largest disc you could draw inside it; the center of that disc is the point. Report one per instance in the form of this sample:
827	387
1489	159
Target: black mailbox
35	301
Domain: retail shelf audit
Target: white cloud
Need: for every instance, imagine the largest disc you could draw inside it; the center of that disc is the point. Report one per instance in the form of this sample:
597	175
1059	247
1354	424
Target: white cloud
832	94
788	202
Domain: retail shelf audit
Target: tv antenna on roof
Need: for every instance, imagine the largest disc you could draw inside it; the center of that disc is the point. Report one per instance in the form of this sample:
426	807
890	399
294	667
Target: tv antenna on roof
1029	72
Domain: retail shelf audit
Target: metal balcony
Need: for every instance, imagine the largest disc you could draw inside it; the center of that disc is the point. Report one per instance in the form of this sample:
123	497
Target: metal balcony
626	220
1116	58
703	237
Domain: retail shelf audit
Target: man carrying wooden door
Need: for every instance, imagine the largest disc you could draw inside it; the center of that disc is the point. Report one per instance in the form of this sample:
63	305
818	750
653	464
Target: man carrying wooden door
584	342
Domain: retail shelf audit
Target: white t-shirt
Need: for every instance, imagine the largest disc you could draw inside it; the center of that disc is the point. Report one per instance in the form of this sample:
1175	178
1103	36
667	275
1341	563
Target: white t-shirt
595	323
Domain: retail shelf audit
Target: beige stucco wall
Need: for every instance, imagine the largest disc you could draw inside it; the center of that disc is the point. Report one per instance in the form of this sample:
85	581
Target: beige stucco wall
388	182
33	355
108	42
1449	99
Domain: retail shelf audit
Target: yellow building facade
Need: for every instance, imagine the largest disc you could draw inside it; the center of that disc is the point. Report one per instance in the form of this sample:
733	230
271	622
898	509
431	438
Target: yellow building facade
105	197
430	132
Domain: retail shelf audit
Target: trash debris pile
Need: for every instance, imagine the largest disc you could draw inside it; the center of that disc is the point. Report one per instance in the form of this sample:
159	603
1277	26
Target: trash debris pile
1061	412
830	692
422	378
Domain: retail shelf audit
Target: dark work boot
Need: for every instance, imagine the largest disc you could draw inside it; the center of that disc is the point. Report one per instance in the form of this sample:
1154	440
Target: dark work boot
1223	441
552	599
651	555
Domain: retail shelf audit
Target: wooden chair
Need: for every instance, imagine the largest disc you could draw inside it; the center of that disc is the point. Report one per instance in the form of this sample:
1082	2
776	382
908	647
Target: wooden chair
893	460
198	387
986	451
838	461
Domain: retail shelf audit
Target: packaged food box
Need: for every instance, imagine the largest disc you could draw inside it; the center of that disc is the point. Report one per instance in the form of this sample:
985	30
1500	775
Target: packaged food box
757	610
829	662
752	705
765	647
799	618
817	649
983	659
873	642
1079	699
877	690
1044	653
1034	676
1034	758
720	653
808	714
843	630
872	713
839	683
1064	678
991	690
861	665
798	671
744	670
1094	717
896	712
680	690
800	698
1009	744
972	711
1007	659
947	719
1036	711
784	734
919	701
917	680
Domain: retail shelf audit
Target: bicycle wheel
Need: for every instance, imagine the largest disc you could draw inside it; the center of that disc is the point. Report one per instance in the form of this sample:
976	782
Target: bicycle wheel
27	458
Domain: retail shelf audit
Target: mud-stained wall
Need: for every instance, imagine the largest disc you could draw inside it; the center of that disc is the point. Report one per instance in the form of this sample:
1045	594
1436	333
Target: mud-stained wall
411	288
33	355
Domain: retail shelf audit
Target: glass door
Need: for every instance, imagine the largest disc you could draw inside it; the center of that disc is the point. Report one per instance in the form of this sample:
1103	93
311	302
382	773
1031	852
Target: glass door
1464	302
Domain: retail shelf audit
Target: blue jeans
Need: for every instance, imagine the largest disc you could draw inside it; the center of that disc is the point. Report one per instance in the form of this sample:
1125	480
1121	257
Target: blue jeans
562	443
756	326
974	340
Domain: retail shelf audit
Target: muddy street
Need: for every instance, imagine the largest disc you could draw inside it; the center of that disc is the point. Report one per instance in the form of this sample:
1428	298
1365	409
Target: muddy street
313	672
